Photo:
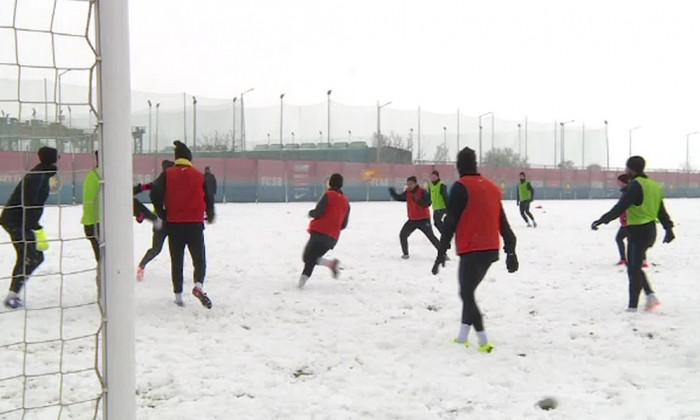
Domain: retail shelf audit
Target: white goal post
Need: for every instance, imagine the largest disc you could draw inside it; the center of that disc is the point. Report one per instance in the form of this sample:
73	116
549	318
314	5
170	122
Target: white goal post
117	267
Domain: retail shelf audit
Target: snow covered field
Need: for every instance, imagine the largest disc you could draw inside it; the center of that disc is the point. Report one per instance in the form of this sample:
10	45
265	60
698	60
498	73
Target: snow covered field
377	343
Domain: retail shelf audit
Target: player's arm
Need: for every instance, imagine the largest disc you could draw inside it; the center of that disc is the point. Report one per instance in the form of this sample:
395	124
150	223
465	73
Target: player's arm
395	196
664	218
424	199
443	192
532	191
633	196
209	201
320	207
32	199
509	239
455	206
157	195
346	220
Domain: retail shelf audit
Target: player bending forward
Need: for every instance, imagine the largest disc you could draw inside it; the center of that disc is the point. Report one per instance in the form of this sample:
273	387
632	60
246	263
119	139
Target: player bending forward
329	217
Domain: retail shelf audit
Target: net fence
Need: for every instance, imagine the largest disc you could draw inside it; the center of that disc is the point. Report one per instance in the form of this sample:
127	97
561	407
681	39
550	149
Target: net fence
50	350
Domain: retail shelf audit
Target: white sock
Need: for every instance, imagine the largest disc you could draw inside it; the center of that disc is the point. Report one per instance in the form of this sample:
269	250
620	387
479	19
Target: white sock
302	281
199	286
12	295
463	333
324	262
483	340
178	297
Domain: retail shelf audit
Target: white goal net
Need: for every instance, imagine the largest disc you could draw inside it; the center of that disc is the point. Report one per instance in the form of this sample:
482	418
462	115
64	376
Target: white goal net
57	354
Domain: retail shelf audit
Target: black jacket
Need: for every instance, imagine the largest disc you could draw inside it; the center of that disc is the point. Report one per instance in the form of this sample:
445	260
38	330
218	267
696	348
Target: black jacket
26	204
633	195
210	182
424	200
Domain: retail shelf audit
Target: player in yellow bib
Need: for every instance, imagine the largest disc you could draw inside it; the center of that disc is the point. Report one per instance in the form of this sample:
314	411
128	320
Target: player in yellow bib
525	196
643	201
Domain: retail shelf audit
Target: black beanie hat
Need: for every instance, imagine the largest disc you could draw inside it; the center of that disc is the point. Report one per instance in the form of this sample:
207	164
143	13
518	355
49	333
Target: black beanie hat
165	164
48	155
637	164
466	161
336	181
182	151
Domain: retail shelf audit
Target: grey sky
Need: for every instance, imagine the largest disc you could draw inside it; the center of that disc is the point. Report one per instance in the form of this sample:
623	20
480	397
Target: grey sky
631	62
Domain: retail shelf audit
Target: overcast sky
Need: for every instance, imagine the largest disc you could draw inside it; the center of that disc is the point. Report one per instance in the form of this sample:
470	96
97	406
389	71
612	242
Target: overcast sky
630	62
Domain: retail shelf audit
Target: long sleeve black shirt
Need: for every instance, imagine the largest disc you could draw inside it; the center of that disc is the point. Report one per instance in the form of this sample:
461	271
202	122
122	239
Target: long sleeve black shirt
633	195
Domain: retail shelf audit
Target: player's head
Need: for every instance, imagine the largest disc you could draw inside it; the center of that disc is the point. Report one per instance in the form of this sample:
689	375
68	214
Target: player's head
466	161
623	180
411	183
207	170
165	164
48	155
336	181
522	176
182	151
435	176
635	166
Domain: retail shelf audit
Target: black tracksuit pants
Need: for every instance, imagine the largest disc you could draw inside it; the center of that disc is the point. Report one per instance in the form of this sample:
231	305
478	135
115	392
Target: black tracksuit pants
190	235
422	225
159	237
639	239
438	219
525	210
316	247
472	270
620	239
28	257
92	232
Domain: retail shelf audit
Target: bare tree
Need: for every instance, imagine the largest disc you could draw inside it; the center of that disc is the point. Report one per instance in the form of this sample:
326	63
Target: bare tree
217	142
442	154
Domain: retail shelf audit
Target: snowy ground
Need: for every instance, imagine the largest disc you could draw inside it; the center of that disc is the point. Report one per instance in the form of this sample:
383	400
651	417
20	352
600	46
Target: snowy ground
377	343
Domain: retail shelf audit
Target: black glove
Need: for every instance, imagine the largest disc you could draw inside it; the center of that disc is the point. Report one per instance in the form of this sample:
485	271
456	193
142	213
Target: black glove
210	218
392	190
669	236
512	263
595	224
440	260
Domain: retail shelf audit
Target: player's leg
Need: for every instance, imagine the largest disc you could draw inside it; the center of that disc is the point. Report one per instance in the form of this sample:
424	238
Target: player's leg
620	240
406	231
197	248
91	232
177	242
427	230
472	270
528	213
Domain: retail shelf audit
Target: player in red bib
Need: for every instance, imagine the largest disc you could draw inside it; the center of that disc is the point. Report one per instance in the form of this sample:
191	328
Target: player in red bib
328	218
476	217
418	205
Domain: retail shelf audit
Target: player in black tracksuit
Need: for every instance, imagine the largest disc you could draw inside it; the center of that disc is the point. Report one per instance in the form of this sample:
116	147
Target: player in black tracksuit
525	196
160	234
641	234
20	218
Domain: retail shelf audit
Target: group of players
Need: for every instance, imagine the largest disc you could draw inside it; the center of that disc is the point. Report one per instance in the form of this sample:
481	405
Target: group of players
472	213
